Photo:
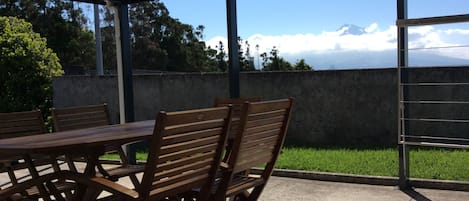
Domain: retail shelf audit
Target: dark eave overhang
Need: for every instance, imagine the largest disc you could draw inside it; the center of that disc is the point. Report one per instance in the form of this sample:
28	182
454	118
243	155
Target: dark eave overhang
102	2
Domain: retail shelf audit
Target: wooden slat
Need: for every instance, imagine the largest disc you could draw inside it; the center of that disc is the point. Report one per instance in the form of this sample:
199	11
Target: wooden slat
264	121
80	117
266	114
21	124
183	169
186	153
171	130
235	101
184	117
252	151
249	153
263	131
259	142
261	135
245	183
189	144
187	160
265	106
15	122
18	131
259	129
181	186
254	162
20	116
81	109
177	138
181	177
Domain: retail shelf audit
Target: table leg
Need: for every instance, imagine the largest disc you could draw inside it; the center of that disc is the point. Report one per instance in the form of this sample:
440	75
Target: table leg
83	192
34	174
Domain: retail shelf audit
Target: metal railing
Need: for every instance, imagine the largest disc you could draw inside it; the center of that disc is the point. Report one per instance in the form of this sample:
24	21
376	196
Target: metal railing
406	136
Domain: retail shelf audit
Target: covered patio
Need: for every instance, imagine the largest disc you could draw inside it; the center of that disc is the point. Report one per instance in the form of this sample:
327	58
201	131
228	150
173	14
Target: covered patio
284	188
126	88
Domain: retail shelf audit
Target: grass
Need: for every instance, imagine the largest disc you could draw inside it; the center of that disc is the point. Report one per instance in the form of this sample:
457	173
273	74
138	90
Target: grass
442	164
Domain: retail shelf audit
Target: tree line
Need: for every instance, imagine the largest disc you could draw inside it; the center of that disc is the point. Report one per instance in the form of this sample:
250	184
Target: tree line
159	42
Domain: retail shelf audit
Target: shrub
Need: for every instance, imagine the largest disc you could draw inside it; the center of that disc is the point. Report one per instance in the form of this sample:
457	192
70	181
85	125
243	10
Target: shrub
27	66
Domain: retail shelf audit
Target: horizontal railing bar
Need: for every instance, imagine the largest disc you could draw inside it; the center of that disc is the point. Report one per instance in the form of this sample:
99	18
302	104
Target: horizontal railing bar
436	102
438	47
436	120
431	144
432	20
436	138
435	84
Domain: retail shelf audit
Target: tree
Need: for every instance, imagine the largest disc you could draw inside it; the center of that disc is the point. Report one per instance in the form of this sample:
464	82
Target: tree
274	62
63	24
302	65
246	60
221	57
27	66
166	43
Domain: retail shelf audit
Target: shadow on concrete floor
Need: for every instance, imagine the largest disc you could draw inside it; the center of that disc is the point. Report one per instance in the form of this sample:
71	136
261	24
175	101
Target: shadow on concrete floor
416	195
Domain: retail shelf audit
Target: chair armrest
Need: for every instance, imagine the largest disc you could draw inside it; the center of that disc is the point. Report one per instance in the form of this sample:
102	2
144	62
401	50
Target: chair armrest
102	184
224	166
21	187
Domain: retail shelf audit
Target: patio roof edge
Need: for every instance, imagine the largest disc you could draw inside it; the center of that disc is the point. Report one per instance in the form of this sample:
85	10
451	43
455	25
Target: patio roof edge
102	2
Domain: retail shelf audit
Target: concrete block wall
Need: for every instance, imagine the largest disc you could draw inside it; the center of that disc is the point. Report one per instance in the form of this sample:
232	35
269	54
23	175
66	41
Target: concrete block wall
339	107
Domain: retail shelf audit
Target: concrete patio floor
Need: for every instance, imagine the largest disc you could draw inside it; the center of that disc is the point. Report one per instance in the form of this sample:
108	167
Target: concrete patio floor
290	189
281	188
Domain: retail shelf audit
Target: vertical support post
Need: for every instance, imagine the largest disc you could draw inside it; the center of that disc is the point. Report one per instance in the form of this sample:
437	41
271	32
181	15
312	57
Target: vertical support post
126	61
127	73
120	77
233	49
403	77
99	48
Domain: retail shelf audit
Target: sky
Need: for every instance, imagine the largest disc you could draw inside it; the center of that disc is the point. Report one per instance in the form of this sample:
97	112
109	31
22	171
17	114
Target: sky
313	26
303	16
299	27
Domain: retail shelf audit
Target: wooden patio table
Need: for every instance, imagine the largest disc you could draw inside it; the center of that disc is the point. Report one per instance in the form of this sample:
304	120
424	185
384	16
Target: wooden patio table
89	143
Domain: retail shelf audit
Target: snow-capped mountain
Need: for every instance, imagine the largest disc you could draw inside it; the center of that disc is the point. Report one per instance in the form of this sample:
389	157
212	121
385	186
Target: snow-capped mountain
351	29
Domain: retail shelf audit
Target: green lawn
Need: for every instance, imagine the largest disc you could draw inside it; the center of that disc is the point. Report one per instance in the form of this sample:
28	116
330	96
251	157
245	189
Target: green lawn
425	163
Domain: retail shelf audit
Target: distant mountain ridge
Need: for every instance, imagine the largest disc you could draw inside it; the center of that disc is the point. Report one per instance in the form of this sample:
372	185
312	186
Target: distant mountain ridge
369	59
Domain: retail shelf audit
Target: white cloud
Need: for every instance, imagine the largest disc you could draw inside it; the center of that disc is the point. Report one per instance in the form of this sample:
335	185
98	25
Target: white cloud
371	28
373	39
448	42
215	42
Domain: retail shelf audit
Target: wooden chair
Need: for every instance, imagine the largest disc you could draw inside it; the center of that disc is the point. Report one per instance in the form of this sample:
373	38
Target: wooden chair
18	124
71	118
237	104
262	130
184	153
